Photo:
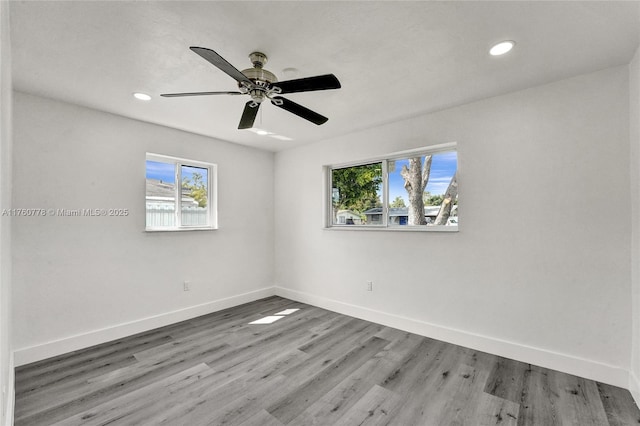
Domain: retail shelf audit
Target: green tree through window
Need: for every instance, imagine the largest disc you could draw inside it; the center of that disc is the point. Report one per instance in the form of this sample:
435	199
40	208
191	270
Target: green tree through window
357	188
196	188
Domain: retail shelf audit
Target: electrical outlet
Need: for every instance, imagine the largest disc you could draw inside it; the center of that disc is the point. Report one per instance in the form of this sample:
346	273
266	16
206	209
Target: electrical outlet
186	286
369	285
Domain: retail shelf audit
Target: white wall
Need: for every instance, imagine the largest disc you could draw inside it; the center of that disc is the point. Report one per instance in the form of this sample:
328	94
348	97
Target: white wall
540	270
6	352
634	136
83	280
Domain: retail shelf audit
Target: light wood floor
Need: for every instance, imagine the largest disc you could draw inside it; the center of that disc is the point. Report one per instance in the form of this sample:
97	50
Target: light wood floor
313	367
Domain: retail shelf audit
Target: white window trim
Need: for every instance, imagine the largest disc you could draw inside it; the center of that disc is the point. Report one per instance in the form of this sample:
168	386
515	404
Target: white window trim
328	185
212	183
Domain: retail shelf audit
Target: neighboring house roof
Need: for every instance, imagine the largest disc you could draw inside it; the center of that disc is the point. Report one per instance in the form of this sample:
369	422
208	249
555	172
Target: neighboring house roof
157	188
393	211
347	212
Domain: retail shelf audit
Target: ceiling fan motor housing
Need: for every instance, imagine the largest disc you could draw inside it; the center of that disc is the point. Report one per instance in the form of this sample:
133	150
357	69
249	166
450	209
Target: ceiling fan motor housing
261	78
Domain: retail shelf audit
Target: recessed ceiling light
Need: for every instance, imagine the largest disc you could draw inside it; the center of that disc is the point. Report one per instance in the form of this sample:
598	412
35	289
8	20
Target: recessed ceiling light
502	48
290	73
142	96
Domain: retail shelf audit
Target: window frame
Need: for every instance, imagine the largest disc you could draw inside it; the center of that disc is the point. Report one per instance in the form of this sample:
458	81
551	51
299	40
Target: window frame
384	159
212	193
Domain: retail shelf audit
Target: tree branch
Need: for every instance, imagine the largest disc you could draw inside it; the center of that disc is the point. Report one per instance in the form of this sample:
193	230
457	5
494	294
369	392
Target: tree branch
426	169
405	175
447	203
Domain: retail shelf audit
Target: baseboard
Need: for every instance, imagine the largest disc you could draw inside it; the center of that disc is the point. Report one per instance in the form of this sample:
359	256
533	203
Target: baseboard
10	396
634	387
69	344
556	361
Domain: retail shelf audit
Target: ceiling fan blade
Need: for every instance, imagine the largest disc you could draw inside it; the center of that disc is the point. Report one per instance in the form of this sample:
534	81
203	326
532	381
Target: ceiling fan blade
249	115
299	110
308	84
222	64
175	95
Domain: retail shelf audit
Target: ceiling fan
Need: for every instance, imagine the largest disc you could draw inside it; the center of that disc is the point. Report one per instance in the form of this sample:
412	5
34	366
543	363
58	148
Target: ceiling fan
261	84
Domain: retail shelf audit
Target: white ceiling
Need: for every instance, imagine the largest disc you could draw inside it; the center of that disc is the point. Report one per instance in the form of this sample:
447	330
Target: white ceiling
394	59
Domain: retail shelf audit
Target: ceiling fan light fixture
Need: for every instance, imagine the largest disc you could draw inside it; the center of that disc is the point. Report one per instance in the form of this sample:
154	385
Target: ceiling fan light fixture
502	48
142	96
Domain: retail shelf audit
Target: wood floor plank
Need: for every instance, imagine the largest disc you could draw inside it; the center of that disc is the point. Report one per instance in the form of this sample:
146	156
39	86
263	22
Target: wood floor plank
333	405
54	369
231	399
201	404
337	333
429	398
536	406
578	400
332	321
261	418
506	379
263	380
372	409
61	382
493	411
294	403
220	394
109	386
319	360
137	406
218	405
458	399
237	411
618	404
312	367
414	367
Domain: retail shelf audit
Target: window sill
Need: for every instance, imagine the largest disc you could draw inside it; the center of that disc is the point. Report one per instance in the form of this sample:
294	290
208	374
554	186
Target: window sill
441	228
208	228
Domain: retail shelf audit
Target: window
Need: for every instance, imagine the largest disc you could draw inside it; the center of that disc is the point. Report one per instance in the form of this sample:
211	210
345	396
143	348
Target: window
188	205
411	190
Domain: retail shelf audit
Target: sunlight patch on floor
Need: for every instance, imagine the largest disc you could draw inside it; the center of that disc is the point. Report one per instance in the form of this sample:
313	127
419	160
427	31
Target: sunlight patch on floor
267	320
275	317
